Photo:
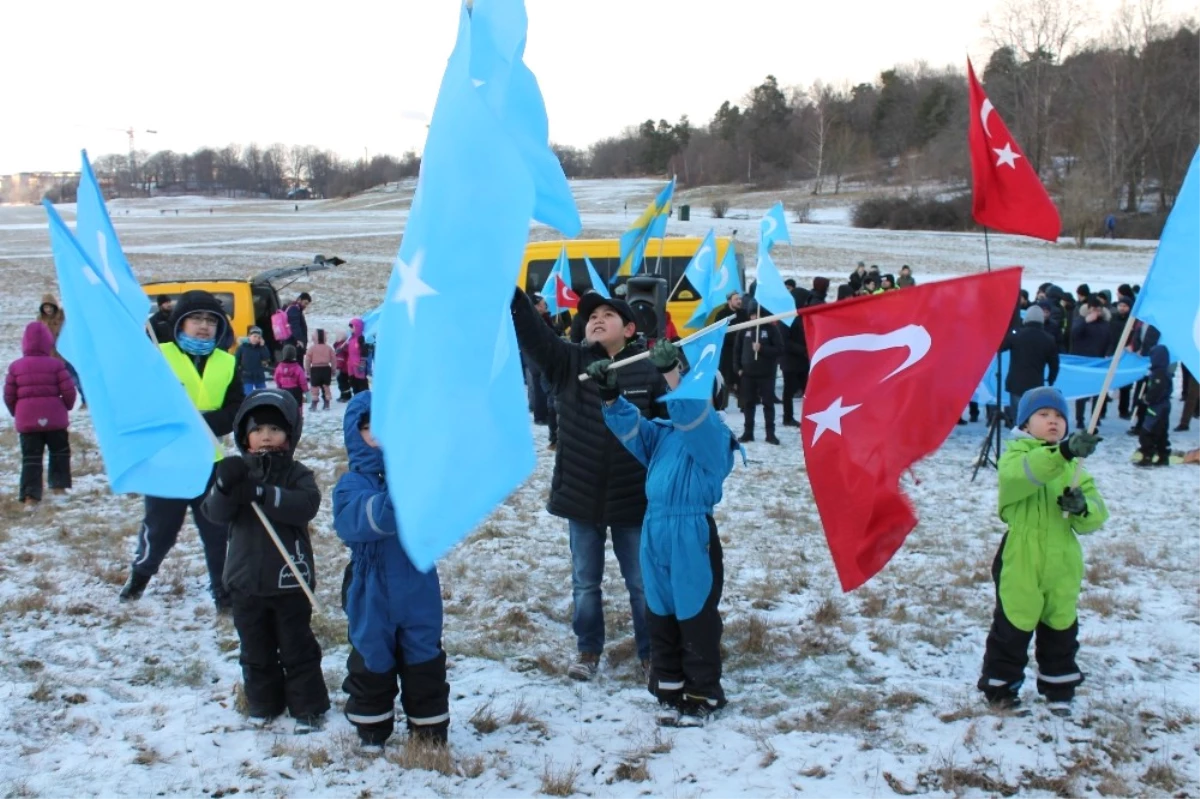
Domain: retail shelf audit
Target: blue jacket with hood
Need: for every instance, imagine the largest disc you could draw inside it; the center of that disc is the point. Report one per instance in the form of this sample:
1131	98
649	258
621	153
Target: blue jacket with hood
687	460
391	606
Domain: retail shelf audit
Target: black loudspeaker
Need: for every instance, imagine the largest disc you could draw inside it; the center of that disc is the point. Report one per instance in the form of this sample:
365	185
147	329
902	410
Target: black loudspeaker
647	297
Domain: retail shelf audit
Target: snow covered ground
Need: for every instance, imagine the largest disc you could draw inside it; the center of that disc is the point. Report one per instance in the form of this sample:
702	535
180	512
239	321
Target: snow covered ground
866	694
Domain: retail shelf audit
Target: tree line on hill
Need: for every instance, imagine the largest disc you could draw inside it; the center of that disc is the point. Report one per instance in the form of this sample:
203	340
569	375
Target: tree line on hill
1109	123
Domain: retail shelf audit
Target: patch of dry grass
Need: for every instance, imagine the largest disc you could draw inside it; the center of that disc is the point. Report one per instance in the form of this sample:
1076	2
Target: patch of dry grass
559	780
419	753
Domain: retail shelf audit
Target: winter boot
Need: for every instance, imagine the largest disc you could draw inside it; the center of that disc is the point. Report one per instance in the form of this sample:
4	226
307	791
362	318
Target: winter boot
325	407
313	406
135	586
310	724
585	666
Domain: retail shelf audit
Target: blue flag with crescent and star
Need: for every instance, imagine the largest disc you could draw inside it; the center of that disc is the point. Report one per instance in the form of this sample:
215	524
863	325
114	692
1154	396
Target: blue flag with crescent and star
448	402
152	439
1170	295
703	354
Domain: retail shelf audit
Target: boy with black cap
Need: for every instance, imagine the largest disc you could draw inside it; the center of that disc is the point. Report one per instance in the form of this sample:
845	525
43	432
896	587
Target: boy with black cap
1045	499
254	359
394	610
160	321
598	486
280	656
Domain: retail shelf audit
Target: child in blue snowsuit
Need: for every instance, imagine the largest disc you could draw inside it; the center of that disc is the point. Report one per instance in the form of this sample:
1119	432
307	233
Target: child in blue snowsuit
687	459
394	611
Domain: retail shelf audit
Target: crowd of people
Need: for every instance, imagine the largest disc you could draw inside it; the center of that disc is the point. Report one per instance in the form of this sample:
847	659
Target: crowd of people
628	463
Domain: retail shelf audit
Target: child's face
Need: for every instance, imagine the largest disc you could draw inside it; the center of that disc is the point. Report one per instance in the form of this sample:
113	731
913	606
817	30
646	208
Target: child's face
255	339
367	437
267	438
1048	425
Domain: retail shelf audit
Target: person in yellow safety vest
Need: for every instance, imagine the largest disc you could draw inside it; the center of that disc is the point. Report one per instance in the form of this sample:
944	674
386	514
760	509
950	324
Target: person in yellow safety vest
211	378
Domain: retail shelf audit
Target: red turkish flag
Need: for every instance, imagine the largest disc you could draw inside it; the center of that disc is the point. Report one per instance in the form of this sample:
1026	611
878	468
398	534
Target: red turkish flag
1006	193
890	375
563	295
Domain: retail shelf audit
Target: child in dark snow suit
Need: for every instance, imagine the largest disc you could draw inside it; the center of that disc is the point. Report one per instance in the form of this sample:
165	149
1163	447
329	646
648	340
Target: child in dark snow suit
687	460
38	392
280	656
1039	568
289	376
394	611
1154	440
253	359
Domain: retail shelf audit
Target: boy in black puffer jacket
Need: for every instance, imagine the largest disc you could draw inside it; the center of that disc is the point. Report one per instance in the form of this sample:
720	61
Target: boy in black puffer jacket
280	656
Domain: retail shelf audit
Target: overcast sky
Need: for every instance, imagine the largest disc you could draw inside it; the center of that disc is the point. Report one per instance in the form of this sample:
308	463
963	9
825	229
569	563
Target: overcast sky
359	76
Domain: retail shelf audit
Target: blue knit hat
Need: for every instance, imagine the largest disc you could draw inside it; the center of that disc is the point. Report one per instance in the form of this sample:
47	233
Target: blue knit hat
1034	400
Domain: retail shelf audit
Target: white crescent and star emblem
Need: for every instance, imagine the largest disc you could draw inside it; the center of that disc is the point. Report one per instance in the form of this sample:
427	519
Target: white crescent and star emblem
109	277
914	338
724	273
768	226
1006	156
699	259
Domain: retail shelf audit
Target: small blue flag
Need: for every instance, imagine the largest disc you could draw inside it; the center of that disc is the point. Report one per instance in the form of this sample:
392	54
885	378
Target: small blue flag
773	228
597	284
486	159
703	353
772	296
727	279
1170	295
701	273
96	236
152	438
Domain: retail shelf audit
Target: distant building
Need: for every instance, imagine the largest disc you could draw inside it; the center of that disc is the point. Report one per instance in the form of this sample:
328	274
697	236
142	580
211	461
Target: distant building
30	187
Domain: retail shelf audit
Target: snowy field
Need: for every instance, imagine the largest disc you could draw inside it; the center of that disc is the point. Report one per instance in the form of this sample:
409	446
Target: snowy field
863	694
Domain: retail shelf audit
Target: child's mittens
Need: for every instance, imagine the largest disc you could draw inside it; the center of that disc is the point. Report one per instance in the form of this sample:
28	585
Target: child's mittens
1073	501
606	379
1080	444
231	472
664	355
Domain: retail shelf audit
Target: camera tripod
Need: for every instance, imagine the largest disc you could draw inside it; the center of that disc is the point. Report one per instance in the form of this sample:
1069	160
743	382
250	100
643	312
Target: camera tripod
993	439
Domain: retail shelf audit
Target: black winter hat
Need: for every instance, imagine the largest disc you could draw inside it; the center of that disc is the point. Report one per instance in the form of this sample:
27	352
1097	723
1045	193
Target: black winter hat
268	406
593	300
289	353
195	301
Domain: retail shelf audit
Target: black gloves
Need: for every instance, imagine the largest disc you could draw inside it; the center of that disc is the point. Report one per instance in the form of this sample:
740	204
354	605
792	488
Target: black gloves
1080	444
1073	501
233	480
606	379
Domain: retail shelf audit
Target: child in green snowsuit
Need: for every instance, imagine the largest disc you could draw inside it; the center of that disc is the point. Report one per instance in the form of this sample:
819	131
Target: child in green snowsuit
1039	568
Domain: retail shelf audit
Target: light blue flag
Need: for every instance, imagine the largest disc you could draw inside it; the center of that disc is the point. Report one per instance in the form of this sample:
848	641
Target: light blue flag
152	438
702	273
96	236
1079	376
370	322
486	159
549	289
773	228
703	353
1170	295
597	284
727	279
771	294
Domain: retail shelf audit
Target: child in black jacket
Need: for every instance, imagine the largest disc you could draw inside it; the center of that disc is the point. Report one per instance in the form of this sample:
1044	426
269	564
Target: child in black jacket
1154	440
280	656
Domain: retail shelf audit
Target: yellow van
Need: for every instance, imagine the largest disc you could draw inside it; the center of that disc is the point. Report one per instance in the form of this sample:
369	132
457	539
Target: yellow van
666	258
247	302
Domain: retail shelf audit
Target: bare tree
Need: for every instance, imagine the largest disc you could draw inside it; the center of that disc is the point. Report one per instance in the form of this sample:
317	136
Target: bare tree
1041	33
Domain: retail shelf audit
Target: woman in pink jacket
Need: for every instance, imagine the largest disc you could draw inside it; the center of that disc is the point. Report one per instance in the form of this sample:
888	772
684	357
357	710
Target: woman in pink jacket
356	357
38	392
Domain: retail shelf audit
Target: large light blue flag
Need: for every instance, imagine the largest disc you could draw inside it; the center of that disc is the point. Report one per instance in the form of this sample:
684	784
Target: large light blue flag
561	268
652	223
770	292
597	284
152	438
703	353
1079	376
1170	296
96	236
727	279
486	159
773	228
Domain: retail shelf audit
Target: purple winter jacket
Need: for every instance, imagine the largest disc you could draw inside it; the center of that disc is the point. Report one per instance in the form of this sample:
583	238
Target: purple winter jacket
38	390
